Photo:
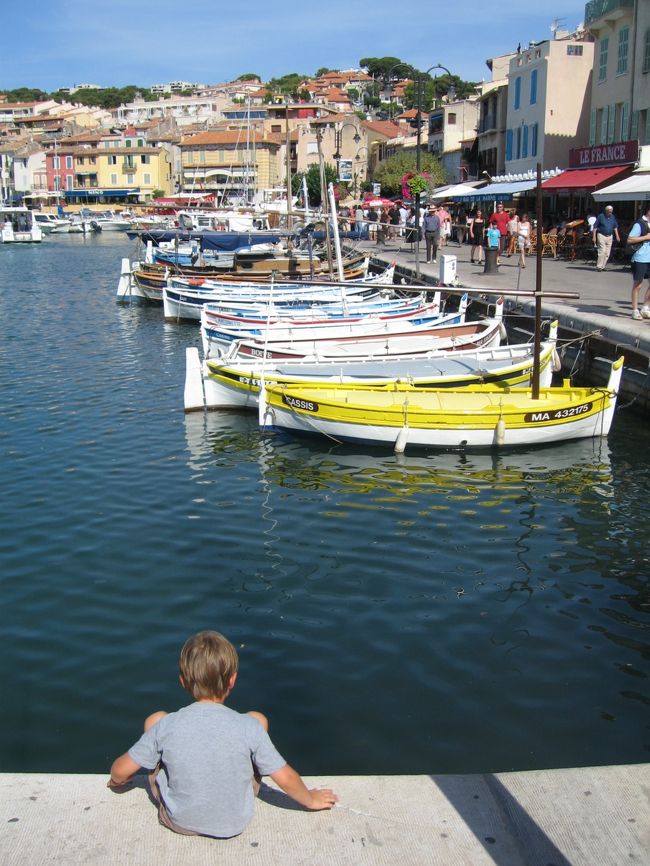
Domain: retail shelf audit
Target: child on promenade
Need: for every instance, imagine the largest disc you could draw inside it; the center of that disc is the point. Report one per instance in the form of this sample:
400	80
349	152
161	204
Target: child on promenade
206	759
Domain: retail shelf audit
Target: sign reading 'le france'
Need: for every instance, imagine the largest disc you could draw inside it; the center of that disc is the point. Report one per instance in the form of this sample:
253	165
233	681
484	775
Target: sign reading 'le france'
618	153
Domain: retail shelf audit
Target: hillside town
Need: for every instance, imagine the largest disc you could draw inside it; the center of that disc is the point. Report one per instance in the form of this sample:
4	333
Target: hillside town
578	103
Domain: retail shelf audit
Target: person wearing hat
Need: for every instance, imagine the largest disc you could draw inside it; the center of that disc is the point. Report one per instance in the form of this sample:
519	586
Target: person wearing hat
432	228
605	229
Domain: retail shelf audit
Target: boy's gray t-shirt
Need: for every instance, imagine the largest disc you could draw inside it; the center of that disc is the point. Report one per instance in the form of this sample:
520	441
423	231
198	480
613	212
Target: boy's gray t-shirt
207	752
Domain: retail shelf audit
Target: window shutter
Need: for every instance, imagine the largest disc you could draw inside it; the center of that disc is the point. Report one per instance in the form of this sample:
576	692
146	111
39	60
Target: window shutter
592	127
603	125
508	144
634	126
625	121
524	147
610	124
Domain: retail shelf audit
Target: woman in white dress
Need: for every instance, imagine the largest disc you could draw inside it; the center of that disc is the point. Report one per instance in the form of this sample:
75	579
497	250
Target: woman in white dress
523	239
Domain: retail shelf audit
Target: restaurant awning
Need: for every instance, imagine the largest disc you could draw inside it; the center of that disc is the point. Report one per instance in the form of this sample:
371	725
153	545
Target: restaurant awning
583	179
633	188
500	191
453	191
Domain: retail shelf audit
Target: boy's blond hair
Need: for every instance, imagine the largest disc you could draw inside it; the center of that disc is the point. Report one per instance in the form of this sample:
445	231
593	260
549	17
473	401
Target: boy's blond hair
208	661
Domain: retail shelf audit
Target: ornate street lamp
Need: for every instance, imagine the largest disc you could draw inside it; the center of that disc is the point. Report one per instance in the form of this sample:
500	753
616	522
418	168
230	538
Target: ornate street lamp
338	142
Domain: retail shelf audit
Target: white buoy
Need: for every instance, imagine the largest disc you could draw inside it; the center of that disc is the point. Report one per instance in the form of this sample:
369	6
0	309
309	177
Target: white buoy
403	435
124	284
193	396
499	432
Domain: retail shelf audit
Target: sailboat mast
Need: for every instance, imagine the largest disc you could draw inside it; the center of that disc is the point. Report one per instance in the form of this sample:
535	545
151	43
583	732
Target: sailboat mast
538	284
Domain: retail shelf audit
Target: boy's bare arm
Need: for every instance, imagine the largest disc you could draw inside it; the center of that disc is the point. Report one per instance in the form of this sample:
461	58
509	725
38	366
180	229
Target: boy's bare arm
310	798
122	770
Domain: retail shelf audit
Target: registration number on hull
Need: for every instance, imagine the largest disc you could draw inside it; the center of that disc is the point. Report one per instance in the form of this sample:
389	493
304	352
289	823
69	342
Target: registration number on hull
558	415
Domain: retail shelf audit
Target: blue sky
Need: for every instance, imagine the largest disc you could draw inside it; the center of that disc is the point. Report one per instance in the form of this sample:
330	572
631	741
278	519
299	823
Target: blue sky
118	42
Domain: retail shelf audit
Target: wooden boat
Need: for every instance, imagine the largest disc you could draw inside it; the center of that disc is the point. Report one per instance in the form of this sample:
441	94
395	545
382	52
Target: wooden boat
183	300
418	341
218	332
485	417
236	384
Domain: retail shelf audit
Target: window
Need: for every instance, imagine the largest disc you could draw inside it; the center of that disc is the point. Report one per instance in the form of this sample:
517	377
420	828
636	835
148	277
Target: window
127	143
312	147
533	87
508	144
68	183
92	160
80	160
190	156
57	180
147	180
646	51
517	92
56	162
574	50
145	158
202	156
451	118
533	139
602	59
113	180
623	40
112	159
68	162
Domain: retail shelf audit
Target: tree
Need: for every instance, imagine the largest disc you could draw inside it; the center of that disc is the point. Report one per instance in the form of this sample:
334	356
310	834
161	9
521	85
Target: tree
323	71
26	94
435	89
313	182
390	172
387	68
249	76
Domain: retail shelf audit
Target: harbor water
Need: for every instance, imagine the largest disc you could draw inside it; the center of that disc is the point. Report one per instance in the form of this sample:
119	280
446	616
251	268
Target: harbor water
427	613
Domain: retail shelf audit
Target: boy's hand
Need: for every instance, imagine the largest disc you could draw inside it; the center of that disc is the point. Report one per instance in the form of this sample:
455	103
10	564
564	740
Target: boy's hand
322	798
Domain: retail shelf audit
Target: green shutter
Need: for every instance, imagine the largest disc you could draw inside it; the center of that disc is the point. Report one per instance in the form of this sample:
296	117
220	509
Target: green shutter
610	124
603	124
625	121
646	139
592	127
634	126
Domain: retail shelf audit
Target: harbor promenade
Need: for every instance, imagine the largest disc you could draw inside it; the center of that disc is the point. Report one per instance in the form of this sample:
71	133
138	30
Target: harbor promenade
597	816
604	302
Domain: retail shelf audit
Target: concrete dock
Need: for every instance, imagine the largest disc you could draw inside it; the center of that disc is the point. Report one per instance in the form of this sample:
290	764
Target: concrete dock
598	816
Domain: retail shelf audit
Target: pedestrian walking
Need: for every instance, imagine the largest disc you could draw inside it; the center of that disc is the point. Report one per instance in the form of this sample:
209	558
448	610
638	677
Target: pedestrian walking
476	233
523	238
639	239
432	227
373	219
513	233
499	220
604	231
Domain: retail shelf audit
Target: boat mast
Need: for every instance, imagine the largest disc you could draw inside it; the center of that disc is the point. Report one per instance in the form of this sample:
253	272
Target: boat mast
538	285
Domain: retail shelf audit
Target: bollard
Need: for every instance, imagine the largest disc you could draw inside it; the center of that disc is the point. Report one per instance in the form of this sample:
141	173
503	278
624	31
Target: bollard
491	256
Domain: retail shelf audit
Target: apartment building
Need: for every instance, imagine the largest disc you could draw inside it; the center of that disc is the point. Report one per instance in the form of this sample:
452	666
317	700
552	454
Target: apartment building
231	163
620	90
549	89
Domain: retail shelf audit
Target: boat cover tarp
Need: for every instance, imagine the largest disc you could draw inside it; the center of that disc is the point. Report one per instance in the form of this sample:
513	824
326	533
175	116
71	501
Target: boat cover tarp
226	241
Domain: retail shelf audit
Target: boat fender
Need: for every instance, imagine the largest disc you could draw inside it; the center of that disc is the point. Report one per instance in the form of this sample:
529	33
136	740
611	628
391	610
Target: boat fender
556	362
500	432
403	435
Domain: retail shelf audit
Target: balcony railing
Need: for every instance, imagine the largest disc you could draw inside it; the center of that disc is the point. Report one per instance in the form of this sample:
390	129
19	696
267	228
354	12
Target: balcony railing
487	123
596	9
128	168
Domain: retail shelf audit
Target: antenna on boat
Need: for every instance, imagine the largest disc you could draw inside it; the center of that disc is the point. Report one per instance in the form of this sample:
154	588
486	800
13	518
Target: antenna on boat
538	285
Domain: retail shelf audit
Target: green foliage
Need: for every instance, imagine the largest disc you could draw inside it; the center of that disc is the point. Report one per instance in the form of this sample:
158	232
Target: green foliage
287	84
248	76
26	94
390	172
387	68
313	182
158	193
434	89
323	71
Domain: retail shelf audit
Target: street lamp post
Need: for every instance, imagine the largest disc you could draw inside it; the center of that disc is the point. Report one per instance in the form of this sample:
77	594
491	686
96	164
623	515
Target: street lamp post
338	142
418	118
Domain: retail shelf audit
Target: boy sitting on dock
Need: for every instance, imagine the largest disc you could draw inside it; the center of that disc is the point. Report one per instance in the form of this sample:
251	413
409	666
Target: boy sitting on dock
206	759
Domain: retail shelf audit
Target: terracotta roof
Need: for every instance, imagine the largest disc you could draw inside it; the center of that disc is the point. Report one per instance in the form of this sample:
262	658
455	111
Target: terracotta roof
221	138
384	127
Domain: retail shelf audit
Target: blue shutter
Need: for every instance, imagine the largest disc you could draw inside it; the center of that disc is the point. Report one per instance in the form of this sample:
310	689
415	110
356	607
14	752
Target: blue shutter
508	144
533	143
517	92
524	147
533	87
